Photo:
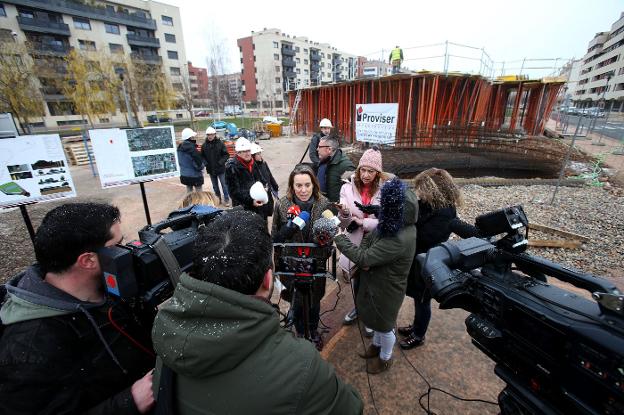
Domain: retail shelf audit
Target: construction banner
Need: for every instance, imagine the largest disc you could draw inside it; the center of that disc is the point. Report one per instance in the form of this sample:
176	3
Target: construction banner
376	123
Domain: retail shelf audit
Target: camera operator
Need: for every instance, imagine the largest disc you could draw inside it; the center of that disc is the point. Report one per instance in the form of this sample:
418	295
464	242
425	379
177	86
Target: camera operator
304	192
221	337
384	258
65	347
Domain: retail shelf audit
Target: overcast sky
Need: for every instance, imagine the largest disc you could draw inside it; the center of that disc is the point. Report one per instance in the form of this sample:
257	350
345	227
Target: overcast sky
508	31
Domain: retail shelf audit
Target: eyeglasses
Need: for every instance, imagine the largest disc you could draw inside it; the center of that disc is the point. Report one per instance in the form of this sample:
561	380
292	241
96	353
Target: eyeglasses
324	147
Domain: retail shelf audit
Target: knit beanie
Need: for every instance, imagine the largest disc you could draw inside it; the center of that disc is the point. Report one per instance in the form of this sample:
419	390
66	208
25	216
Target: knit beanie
372	159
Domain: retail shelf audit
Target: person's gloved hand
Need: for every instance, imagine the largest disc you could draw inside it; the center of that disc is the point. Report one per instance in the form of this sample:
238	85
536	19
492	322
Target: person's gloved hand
369	209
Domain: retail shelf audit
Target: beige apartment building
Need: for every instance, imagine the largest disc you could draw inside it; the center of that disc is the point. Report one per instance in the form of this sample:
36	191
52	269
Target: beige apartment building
601	73
147	31
274	62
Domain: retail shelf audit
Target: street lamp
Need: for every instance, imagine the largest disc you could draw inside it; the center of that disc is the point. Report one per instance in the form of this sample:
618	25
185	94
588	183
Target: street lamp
604	124
129	116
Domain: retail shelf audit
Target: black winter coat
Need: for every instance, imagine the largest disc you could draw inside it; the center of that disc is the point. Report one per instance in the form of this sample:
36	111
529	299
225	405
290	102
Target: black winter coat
269	183
191	164
59	365
239	180
215	155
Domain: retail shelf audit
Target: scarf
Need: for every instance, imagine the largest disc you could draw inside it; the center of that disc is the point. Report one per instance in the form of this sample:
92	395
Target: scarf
247	164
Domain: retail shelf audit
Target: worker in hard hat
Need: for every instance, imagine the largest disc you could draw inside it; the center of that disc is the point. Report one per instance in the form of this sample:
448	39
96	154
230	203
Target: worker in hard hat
215	155
396	58
240	174
191	162
325	128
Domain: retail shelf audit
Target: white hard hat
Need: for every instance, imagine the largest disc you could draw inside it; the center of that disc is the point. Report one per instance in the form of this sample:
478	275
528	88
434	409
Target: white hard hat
210	130
242	144
188	133
255	148
325	123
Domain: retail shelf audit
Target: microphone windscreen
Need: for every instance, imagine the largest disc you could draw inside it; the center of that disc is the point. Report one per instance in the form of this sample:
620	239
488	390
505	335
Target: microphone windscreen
294	210
324	230
305	216
327	214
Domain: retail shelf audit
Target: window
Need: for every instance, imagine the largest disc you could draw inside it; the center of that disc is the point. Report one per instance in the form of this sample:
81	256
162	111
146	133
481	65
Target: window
305	61
170	38
2	11
116	48
305	51
174	70
276	45
322	65
296	48
298	60
276	56
82	24
177	86
111	28
305	71
29	14
322	55
167	21
277	80
86	45
61	108
172	54
277	69
298	70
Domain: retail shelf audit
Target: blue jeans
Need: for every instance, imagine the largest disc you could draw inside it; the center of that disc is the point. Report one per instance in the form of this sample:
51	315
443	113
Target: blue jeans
215	179
422	317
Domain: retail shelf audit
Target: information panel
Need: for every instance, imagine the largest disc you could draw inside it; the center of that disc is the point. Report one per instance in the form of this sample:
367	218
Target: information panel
376	123
132	156
33	168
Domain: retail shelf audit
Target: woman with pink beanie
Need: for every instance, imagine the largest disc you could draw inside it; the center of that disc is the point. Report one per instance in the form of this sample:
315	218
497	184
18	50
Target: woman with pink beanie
364	188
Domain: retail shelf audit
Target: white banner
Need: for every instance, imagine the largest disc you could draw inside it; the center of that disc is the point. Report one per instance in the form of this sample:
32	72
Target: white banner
33	168
133	156
376	123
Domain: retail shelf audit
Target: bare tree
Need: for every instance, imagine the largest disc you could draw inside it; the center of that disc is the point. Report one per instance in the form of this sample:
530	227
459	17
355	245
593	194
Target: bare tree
19	87
217	61
186	98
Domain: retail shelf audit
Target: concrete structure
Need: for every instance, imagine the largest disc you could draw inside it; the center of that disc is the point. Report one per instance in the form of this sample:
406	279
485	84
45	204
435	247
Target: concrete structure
198	80
273	63
147	31
604	57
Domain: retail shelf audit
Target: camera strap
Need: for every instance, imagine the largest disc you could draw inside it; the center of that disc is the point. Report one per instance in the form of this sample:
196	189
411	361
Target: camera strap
168	259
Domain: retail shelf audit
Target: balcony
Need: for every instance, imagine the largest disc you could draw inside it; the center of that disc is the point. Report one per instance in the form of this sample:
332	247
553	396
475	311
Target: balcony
315	57
288	52
336	61
151	59
46	49
42	26
138	40
290	74
315	67
76	8
288	62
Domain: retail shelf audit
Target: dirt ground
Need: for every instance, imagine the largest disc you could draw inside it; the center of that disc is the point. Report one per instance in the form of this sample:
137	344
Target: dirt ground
447	360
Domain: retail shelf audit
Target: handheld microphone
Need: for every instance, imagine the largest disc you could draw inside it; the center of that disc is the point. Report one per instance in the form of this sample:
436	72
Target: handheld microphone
293	212
324	230
328	214
289	229
301	220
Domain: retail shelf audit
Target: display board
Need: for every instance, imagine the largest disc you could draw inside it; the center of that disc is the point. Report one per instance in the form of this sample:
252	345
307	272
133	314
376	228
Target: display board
132	156
376	123
33	168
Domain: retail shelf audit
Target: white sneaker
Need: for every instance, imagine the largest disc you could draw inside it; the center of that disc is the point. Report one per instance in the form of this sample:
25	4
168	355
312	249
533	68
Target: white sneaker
368	332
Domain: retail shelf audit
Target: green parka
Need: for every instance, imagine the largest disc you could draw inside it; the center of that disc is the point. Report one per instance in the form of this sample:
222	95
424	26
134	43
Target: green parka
230	356
384	264
338	165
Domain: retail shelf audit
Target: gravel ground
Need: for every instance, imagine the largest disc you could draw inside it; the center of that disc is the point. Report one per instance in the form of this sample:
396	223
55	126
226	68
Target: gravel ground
588	211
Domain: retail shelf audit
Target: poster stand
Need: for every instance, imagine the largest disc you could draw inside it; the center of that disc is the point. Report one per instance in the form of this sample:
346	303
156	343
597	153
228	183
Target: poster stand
145	206
27	222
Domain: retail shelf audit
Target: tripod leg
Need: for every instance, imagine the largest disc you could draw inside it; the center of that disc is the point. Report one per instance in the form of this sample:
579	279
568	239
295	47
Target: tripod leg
305	297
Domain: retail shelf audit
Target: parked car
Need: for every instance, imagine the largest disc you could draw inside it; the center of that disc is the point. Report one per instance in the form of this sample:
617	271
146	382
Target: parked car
154	118
202	114
571	111
594	112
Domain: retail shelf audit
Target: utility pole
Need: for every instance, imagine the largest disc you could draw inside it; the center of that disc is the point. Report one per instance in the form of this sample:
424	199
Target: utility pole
604	92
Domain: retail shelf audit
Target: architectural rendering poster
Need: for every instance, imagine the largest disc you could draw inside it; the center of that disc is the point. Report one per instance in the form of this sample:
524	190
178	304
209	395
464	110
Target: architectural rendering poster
131	156
376	123
33	168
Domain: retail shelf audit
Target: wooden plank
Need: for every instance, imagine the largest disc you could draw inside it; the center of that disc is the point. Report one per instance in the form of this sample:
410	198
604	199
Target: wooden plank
554	243
550	229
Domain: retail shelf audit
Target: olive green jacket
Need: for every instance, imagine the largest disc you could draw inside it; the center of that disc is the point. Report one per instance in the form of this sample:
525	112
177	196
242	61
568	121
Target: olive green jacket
230	356
384	264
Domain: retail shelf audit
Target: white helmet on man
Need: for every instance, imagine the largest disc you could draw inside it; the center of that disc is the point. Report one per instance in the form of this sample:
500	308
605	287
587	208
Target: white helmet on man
255	149
325	123
242	144
210	130
188	133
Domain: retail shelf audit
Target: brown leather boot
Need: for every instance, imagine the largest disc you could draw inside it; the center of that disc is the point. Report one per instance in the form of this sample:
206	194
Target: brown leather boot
371	352
377	365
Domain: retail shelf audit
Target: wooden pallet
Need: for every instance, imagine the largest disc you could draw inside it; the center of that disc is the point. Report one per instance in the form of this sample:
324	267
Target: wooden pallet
76	153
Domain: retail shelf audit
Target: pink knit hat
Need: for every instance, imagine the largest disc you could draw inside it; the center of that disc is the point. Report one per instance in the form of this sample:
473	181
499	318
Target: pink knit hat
372	159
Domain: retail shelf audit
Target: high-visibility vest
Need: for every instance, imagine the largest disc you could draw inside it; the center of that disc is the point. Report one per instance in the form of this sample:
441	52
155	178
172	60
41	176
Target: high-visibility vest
396	54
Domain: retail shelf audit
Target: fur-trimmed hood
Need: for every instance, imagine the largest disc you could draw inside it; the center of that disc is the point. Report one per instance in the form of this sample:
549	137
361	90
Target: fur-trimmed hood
399	208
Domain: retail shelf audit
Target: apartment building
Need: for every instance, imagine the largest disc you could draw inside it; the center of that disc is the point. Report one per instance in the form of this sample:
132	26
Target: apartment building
198	80
601	73
273	62
146	31
373	68
229	89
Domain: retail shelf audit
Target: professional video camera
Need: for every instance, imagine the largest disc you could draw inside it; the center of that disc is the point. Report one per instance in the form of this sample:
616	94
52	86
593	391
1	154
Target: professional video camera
557	352
145	272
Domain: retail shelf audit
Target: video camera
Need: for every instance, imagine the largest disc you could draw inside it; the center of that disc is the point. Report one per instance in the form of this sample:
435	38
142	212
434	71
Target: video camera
144	272
557	351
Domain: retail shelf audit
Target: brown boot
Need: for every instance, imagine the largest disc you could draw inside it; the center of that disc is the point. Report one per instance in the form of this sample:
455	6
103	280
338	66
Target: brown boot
377	365
371	352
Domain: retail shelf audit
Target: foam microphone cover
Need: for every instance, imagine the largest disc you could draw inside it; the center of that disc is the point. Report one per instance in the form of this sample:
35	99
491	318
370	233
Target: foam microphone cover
258	193
324	230
328	214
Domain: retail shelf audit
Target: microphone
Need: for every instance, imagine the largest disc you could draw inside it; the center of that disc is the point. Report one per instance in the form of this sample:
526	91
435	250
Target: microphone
301	220
328	214
292	226
293	212
324	230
